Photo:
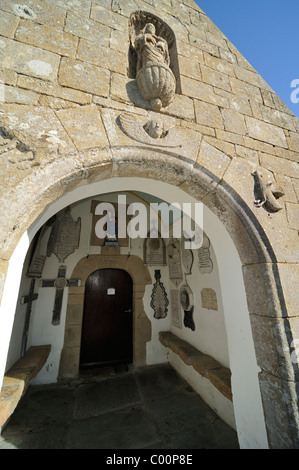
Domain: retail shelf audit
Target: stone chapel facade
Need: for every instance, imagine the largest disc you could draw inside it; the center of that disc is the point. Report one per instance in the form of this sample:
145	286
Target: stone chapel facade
148	100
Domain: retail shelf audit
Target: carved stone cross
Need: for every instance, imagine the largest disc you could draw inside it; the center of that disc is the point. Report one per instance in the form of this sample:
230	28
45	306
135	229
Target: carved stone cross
28	299
60	283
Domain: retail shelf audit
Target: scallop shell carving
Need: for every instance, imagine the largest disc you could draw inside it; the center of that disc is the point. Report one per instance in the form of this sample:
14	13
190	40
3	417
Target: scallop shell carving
156	84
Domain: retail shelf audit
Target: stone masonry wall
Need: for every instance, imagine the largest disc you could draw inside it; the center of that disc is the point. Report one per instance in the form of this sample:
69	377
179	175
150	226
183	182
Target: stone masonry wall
63	64
63	84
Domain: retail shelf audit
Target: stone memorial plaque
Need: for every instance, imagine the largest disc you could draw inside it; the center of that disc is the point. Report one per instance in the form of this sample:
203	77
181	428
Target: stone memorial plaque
174	261
187	257
176	309
39	255
205	263
209	299
154	251
65	236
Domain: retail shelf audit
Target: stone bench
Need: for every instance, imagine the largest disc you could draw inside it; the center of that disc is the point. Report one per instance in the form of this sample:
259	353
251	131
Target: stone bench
204	364
17	379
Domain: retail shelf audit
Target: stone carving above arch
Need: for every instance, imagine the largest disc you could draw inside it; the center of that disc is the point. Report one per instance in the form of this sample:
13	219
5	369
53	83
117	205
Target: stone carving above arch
152	133
153	59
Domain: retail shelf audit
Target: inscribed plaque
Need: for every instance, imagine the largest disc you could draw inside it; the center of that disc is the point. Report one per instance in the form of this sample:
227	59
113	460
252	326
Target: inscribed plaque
205	263
154	251
175	308
187	257
174	261
209	299
65	236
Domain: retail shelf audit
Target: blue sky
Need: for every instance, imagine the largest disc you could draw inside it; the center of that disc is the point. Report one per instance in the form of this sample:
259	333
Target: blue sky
266	32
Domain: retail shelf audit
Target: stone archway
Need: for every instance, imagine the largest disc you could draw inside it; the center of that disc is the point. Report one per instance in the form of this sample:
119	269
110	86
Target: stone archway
110	258
265	278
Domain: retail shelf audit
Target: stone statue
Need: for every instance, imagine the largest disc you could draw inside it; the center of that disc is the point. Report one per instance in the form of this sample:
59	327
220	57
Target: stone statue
266	193
151	48
155	80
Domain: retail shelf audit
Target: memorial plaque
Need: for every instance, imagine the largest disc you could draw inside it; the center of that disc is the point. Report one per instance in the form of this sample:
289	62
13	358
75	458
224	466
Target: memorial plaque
174	261
205	263
39	256
187	257
209	299
175	309
65	236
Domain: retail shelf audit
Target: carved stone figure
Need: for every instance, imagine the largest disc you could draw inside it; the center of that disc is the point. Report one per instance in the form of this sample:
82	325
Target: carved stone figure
152	133
266	193
155	80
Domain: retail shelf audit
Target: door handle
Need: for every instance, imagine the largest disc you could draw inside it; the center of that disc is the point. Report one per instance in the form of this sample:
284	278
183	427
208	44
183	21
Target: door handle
129	311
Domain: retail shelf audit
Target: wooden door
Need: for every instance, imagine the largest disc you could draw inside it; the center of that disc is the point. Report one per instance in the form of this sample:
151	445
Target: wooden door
107	330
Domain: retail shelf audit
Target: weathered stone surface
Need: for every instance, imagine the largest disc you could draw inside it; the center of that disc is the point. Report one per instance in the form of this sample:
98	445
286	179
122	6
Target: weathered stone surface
245	89
293	142
28	60
83	27
43	12
220	65
8	24
102	56
279	165
275	401
293	215
18	95
84	76
221	379
40	126
202	91
108	18
217	79
190	67
53	89
47	37
210	157
265	132
208	114
233	121
84	126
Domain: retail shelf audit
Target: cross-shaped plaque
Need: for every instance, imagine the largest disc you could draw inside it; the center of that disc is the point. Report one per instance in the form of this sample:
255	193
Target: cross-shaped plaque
60	283
28	299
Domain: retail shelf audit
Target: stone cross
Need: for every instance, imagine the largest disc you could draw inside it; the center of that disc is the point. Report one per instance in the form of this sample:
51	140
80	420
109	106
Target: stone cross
28	299
59	283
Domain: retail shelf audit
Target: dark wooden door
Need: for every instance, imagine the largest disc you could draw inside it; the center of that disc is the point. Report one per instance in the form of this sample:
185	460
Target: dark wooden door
107	331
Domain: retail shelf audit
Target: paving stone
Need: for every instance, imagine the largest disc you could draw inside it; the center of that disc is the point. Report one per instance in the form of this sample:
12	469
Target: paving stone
149	408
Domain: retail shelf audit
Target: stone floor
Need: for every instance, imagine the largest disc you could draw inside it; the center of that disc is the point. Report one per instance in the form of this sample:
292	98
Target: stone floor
146	408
